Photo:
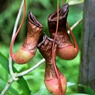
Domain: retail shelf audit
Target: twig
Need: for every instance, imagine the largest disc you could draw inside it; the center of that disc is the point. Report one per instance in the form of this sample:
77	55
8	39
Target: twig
7	86
14	31
31	69
79	21
11	80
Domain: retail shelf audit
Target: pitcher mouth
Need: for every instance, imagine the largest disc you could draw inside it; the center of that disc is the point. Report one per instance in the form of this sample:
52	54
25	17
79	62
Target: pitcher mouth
63	11
43	39
33	20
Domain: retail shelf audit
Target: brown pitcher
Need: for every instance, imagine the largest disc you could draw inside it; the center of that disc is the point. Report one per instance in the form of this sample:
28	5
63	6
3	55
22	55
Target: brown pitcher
55	85
66	49
28	49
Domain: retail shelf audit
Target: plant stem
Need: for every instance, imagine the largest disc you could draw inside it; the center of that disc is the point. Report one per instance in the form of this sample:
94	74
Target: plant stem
14	31
31	69
54	48
7	86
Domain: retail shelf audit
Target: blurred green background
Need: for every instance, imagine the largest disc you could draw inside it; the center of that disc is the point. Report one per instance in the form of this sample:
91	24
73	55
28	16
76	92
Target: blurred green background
34	81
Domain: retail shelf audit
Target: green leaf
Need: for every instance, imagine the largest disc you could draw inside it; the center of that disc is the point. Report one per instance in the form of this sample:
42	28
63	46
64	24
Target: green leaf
4	61
22	82
74	2
87	89
78	94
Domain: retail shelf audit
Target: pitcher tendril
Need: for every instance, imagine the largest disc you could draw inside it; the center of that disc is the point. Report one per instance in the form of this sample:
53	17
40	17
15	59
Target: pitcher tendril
73	37
54	48
12	42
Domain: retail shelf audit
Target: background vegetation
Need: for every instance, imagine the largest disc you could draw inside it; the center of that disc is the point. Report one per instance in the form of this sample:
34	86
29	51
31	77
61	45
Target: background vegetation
34	81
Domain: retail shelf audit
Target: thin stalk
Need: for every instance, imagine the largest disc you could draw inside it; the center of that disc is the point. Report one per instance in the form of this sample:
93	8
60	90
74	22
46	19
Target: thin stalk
73	37
14	32
7	86
62	2
31	69
54	48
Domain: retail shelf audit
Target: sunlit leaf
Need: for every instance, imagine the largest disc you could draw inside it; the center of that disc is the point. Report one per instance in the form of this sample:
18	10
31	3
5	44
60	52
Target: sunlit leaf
70	84
74	2
78	94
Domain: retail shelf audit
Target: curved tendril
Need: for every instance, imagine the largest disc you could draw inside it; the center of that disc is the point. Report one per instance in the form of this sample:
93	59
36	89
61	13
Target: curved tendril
12	42
62	2
73	37
54	48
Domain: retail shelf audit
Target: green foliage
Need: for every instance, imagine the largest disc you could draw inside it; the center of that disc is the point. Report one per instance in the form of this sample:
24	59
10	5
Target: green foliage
34	82
74	2
24	87
87	89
